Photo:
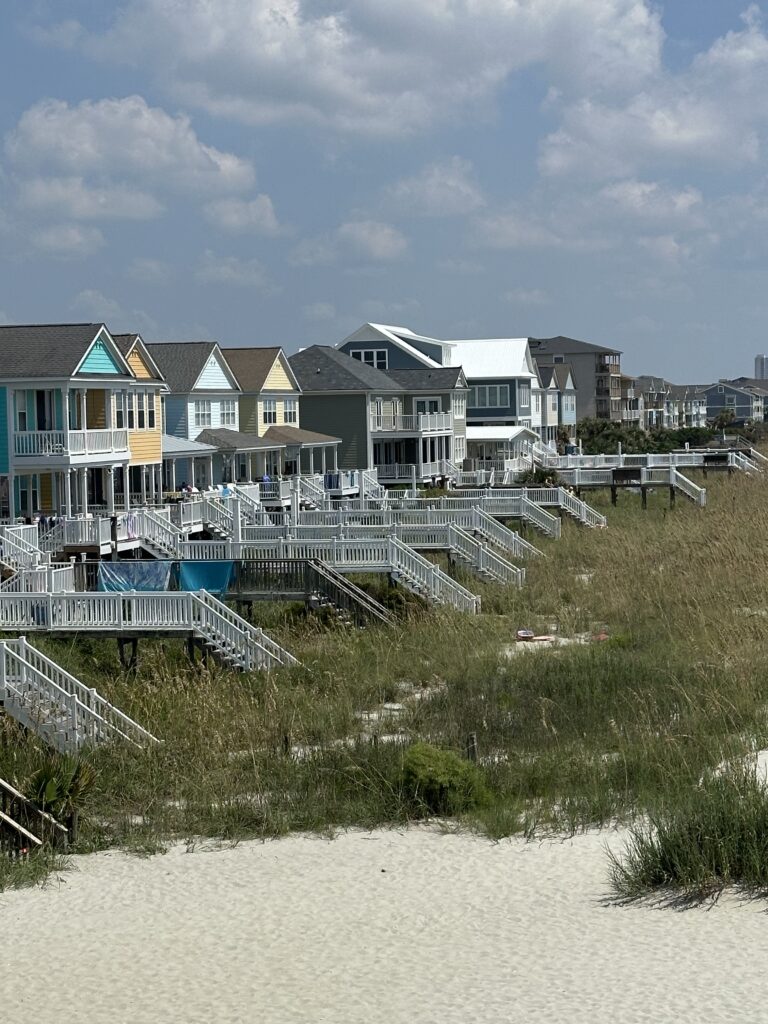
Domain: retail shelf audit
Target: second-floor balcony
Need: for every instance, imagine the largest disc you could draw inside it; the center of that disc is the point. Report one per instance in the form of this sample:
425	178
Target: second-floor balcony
407	423
36	444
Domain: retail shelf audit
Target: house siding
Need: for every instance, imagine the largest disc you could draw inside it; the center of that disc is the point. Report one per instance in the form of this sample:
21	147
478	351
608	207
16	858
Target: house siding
213	377
215	423
277	378
100	360
139	367
249	415
176	416
146	445
396	358
344	416
502	413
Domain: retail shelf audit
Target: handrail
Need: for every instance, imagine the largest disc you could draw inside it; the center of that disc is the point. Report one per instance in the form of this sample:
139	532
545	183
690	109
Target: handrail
357	597
266	652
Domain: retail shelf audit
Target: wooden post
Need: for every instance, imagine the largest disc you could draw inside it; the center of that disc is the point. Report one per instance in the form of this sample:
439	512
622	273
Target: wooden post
471	747
644	496
614	494
671	496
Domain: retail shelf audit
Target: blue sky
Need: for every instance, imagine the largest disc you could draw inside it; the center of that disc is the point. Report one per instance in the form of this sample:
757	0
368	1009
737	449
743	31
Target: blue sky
279	172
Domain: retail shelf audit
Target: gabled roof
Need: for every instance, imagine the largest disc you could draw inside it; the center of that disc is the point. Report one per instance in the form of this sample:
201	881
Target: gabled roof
756	384
402	337
560	345
251	366
730	387
48	351
442	378
321	368
182	362
494	358
128	342
686	392
503	432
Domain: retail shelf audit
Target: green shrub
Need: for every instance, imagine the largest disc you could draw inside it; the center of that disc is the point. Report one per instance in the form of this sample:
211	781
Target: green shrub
441	782
717	835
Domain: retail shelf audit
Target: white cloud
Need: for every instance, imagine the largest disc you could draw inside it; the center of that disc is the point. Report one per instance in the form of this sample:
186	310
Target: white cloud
256	216
99	308
149	270
62	36
527	297
364	66
713	113
373	239
443	189
515	230
319	312
666	249
125	138
232	271
73	198
313	252
649	200
68	241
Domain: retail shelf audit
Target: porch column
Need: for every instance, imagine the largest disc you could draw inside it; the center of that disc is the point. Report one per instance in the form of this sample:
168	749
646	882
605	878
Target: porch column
311	461
111	490
83	410
126	489
84	489
11	494
68	492
172	480
322	460
335	458
30	481
250	467
210	471
65	411
143	475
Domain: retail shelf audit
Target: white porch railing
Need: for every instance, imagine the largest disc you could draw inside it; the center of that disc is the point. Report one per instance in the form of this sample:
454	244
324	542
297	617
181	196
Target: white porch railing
58	707
36	443
419	423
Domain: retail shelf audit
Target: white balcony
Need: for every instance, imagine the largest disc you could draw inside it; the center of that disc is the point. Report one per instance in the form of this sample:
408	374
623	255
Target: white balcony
418	423
35	444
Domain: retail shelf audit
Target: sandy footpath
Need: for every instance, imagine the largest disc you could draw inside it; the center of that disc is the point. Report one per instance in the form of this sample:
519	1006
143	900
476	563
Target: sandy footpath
382	927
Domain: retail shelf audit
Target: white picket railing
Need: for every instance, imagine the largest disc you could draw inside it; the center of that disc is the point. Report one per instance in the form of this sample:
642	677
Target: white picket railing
312	492
34	443
57	706
18	546
429	578
482	559
43	579
129	612
216	515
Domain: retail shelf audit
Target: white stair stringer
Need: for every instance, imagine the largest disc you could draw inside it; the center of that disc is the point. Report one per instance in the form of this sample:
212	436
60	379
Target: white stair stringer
57	707
424	578
486	563
233	638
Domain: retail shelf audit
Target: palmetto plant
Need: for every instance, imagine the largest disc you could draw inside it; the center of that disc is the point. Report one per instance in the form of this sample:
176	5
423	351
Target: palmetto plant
60	786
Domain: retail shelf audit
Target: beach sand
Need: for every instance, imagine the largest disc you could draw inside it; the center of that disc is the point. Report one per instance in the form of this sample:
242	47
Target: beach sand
383	927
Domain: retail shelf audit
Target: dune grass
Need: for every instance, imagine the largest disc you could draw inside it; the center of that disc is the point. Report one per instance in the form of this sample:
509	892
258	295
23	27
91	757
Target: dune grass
567	738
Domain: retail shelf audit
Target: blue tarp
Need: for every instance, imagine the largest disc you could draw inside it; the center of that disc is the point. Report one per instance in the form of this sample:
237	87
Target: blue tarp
211	576
137	575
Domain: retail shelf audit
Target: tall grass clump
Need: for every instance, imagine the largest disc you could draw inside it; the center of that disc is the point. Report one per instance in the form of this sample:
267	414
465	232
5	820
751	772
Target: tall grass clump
715	837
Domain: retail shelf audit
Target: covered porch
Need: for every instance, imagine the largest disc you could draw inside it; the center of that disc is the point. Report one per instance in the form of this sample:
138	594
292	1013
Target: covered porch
495	446
398	460
306	451
75	491
186	464
245	458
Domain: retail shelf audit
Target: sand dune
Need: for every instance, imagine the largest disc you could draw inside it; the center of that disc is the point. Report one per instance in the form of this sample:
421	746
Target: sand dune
381	927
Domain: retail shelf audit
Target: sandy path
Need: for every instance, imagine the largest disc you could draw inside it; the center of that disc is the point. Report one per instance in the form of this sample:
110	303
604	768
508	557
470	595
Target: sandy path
384	927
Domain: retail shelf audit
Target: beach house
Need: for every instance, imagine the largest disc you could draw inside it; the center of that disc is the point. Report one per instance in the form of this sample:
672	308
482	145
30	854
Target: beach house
81	423
596	373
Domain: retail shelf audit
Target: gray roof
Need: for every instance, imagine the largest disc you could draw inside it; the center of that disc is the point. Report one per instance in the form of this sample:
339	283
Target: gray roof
251	366
685	392
561	345
429	379
175	446
297	435
125	343
235	441
322	368
44	350
752	383
181	362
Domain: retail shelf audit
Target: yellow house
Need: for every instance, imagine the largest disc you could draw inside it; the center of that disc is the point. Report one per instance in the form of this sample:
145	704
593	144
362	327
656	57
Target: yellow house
269	409
140	410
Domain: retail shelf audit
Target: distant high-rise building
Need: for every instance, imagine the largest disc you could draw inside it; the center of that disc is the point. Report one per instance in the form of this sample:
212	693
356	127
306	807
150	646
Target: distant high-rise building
761	367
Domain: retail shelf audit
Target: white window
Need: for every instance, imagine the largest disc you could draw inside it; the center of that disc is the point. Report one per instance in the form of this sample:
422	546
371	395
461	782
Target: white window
21	412
270	411
730	401
459	403
525	396
553	403
424	405
227	412
291	410
375	357
151	410
537	403
459	448
141	400
490	396
558	359
202	413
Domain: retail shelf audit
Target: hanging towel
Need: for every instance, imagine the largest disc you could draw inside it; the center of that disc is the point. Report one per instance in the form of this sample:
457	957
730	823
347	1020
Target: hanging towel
211	576
135	575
